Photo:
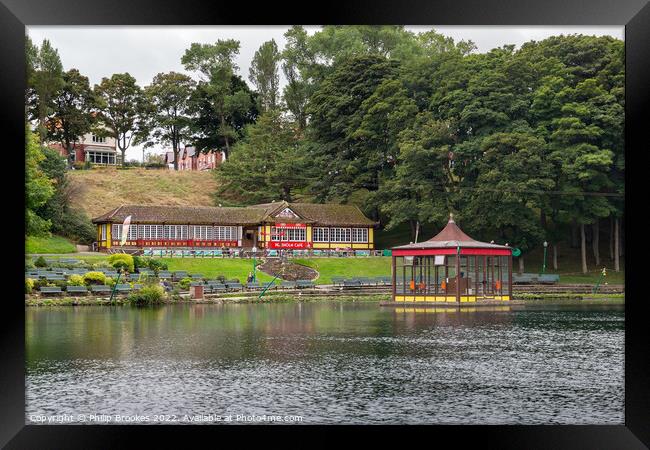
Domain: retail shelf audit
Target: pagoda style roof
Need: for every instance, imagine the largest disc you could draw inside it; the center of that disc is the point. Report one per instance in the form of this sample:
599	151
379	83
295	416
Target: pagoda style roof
282	212
451	237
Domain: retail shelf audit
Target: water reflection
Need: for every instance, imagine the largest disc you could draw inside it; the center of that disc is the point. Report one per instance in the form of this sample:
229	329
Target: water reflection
330	362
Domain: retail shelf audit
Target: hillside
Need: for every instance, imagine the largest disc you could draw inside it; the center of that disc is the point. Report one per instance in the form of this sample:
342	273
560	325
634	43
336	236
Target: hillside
100	190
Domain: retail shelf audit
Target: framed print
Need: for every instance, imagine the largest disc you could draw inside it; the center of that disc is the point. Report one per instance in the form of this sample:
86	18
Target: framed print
410	218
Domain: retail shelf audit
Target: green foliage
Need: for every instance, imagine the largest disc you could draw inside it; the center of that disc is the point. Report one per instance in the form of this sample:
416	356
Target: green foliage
38	187
29	285
264	75
94	278
122	261
271	157
76	280
184	284
40	262
120	102
148	295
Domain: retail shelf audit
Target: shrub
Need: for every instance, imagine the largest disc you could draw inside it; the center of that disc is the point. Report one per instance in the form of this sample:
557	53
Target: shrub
29	285
40	262
156	265
29	265
94	278
185	283
110	282
148	295
139	262
122	261
221	278
87	165
101	265
75	225
76	280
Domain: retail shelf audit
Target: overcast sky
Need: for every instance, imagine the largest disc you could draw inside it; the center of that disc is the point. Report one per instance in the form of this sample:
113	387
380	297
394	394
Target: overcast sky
144	51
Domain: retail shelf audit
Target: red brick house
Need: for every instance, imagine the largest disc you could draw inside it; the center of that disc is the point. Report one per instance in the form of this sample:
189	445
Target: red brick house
191	159
92	148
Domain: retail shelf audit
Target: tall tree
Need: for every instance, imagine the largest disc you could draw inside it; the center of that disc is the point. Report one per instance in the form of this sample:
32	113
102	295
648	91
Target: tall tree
296	57
120	102
215	64
45	80
167	118
264	75
73	111
206	124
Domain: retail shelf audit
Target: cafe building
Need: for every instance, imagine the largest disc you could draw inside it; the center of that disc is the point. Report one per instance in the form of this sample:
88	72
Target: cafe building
451	267
276	225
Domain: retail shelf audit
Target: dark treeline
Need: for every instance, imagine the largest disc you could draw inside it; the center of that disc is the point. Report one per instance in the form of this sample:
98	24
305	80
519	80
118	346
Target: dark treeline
522	145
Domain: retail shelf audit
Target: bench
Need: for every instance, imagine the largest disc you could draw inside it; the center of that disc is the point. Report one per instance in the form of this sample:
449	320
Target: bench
179	275
100	288
234	286
303	284
549	278
337	280
351	283
524	278
123	288
77	289
46	290
54	277
197	276
254	285
288	285
165	275
217	287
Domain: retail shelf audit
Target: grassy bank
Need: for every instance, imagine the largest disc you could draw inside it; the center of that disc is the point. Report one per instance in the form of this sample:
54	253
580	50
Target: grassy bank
139	186
52	244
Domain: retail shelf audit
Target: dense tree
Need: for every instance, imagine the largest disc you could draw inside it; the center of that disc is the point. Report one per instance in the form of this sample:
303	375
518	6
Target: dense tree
271	156
166	118
73	112
38	187
215	64
206	124
264	75
120	104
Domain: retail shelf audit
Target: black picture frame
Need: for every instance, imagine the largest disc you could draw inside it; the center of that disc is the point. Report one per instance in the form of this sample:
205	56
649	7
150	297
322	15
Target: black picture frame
633	14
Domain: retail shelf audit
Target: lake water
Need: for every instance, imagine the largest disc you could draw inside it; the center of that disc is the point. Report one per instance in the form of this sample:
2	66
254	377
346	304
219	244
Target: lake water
334	362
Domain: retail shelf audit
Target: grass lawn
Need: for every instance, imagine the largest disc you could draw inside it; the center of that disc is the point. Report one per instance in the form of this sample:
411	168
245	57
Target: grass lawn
212	267
347	267
52	244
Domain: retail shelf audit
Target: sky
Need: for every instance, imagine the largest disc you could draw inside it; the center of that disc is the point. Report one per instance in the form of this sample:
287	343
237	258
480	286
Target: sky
144	51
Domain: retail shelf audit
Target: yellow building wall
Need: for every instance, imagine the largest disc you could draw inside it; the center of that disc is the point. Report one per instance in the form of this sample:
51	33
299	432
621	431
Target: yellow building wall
109	228
371	237
432	298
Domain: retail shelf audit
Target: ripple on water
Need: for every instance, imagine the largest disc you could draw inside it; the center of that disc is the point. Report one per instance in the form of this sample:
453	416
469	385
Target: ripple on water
359	366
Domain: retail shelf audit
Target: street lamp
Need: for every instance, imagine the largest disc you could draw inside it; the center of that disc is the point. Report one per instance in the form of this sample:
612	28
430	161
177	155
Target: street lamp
544	265
254	265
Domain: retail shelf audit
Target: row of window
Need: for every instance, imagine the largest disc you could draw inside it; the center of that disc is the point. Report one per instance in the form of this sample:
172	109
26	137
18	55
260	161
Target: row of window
288	234
102	157
178	232
341	235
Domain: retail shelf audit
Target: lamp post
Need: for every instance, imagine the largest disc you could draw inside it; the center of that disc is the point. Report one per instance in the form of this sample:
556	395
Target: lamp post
544	265
254	263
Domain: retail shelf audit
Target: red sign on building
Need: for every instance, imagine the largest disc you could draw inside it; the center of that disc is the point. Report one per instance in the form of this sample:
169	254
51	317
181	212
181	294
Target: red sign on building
285	244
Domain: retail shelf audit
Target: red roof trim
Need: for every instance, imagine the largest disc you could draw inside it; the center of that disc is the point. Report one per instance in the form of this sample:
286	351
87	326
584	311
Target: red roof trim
452	251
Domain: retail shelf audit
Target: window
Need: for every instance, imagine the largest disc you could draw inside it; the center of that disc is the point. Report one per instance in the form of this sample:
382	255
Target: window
99	139
340	234
117	231
359	235
103	232
321	234
101	157
288	234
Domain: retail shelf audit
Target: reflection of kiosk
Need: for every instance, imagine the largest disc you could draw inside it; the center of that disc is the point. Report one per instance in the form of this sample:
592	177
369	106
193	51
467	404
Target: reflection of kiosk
452	267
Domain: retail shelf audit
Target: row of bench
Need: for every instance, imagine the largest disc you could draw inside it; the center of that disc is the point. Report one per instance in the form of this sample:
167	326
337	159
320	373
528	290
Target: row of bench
531	278
217	286
96	289
361	281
